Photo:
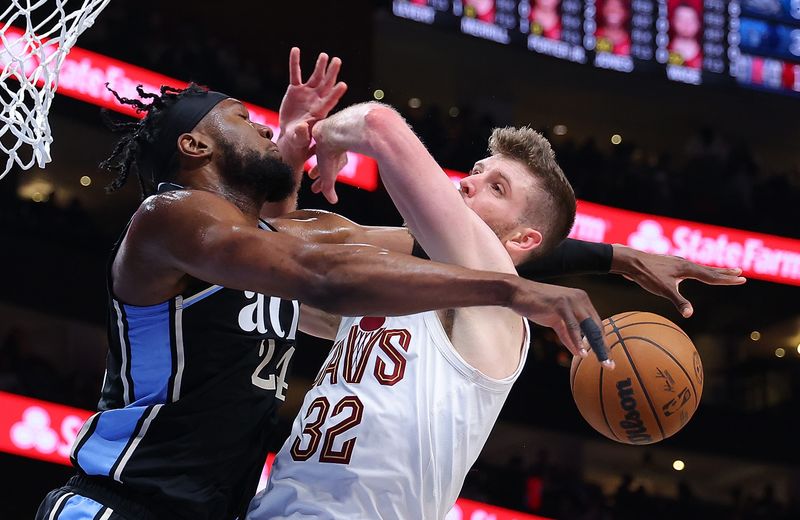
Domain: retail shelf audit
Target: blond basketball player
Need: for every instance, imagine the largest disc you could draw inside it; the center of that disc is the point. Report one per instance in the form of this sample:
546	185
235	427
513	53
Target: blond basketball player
403	405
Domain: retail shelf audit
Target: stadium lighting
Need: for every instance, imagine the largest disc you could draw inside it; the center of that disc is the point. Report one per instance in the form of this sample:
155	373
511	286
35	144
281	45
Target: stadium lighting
415	102
755	335
86	180
378	94
616	139
780	352
678	465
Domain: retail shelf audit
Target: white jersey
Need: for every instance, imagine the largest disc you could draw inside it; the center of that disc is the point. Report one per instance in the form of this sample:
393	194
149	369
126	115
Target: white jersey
389	429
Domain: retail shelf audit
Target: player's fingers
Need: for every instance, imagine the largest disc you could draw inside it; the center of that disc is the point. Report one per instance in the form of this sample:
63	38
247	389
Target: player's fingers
594	336
295	74
563	334
327	187
590	326
330	194
585	347
333	97
301	133
588	311
332	73
319	70
573	327
715	275
313	173
683	305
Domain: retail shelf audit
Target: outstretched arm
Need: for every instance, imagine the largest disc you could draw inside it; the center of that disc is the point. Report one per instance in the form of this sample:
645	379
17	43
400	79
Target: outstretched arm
199	234
658	274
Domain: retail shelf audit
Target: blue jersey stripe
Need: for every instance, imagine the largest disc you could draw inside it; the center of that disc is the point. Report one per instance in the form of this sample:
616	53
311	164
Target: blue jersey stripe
201	295
151	352
105	445
141	431
178	354
79	507
148	361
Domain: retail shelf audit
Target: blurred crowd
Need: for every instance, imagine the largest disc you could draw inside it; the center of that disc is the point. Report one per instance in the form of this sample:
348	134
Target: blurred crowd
25	370
548	489
712	179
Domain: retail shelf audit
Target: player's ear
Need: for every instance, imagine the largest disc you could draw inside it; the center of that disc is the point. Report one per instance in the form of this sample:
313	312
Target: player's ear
194	145
523	241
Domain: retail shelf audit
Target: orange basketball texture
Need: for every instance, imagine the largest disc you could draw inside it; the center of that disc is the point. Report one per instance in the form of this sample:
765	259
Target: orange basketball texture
654	389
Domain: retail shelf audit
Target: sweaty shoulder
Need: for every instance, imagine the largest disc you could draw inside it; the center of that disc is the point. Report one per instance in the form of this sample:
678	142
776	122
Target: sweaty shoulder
166	227
176	207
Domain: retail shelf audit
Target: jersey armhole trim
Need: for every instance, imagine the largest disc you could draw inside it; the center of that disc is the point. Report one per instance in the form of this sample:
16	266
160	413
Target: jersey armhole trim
445	346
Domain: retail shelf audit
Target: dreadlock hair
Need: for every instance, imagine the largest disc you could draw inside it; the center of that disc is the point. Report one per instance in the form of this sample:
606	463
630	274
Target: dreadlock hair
141	134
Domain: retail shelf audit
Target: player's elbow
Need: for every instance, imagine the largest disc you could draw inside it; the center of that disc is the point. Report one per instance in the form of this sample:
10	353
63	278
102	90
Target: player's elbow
382	122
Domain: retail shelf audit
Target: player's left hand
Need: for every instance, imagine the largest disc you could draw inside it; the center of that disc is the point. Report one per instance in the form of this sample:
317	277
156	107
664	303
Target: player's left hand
662	274
306	103
330	161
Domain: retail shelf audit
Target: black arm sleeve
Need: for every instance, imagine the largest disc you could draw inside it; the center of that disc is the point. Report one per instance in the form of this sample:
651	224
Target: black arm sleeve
570	257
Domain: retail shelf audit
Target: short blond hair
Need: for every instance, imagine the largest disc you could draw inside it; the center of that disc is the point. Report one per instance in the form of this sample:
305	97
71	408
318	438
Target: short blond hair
533	150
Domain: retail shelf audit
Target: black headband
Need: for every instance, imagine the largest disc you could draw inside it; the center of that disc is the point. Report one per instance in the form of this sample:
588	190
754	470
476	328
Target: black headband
178	119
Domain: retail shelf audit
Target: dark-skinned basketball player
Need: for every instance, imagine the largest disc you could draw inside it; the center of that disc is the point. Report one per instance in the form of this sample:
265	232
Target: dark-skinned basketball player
203	310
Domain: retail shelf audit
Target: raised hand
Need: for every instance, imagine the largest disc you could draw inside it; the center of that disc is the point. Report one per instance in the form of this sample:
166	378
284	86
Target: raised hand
346	130
306	103
568	311
662	274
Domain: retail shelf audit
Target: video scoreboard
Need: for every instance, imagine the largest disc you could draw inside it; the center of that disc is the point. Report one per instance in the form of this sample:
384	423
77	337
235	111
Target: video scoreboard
754	43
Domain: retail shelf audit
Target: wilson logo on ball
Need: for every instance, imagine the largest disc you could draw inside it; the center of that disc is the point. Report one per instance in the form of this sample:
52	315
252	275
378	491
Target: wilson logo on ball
634	428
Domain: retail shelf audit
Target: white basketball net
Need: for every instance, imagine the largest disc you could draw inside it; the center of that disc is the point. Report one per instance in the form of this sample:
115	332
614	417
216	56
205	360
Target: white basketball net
35	37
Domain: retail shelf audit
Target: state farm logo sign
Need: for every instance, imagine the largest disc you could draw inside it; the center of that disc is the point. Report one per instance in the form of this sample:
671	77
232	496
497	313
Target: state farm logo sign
38	429
718	249
34	431
649	237
767	257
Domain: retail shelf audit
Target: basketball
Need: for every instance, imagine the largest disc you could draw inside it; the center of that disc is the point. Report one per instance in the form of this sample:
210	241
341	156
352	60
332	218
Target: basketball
654	389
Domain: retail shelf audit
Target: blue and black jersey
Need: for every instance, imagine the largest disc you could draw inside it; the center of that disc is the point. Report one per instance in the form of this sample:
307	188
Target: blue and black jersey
189	399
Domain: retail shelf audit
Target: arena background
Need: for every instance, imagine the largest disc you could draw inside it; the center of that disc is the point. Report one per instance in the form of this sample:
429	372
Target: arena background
720	154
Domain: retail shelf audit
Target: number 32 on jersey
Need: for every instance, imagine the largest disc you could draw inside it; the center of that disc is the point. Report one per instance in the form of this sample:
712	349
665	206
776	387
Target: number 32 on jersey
351	411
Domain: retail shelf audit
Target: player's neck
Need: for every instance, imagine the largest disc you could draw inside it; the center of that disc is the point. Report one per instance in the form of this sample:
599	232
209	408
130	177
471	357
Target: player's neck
206	180
248	203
